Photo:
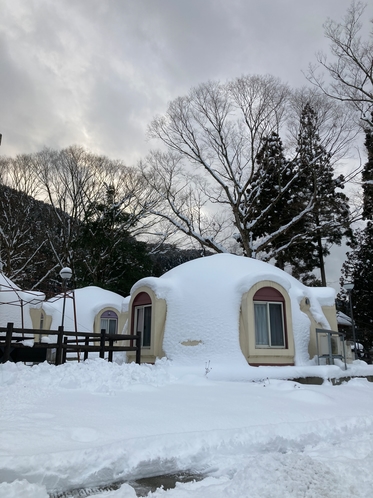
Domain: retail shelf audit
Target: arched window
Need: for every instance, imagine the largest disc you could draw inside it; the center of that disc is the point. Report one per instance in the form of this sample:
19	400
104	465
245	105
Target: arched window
109	322
269	312
142	317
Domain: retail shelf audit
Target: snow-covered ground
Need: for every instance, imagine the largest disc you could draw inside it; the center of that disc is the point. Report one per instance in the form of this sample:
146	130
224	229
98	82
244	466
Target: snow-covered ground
91	423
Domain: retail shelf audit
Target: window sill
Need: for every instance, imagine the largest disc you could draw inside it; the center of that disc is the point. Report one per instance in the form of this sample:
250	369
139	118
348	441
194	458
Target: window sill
271	347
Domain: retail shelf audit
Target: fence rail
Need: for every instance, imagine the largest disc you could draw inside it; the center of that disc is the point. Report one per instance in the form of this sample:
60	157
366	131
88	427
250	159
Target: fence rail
13	339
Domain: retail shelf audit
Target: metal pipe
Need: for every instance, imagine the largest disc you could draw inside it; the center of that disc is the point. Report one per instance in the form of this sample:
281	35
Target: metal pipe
352	323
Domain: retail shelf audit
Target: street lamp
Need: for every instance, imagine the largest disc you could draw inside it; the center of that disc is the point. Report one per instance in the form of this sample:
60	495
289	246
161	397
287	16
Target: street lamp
349	286
65	274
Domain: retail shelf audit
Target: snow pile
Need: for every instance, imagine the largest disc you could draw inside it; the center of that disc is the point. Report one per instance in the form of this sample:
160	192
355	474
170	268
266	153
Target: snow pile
203	303
343	319
22	489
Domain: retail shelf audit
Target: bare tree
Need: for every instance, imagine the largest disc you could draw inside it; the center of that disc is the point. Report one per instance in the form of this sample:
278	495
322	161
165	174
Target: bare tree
335	122
39	236
19	173
24	252
73	180
351	65
213	136
3	169
184	203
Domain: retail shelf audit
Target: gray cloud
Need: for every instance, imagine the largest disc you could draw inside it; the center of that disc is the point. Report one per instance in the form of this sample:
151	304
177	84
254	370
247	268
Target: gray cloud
95	72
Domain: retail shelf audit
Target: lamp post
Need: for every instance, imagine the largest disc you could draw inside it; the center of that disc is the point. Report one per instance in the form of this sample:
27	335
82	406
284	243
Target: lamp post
349	286
65	274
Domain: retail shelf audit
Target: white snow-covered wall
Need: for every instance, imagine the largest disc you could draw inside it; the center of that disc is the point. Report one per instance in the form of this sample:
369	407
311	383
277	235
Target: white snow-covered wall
203	304
15	303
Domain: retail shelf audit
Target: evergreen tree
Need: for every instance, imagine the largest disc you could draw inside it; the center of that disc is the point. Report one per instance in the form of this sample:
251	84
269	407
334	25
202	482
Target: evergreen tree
358	267
168	256
367	176
107	255
276	184
328	221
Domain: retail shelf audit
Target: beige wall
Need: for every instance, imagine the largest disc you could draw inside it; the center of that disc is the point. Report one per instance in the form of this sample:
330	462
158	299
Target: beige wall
331	316
35	314
158	320
263	355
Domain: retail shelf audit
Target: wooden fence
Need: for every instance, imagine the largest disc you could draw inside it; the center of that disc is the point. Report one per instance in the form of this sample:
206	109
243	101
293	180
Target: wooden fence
14	346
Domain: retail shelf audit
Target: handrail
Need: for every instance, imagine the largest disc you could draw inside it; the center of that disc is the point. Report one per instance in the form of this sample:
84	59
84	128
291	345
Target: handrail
331	356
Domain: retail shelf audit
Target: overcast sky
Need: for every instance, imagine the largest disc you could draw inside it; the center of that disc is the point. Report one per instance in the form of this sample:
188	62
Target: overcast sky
95	72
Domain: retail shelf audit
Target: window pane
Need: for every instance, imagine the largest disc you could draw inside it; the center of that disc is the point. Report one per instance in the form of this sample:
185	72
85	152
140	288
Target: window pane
143	323
104	324
112	326
147	326
261	324
139	319
277	329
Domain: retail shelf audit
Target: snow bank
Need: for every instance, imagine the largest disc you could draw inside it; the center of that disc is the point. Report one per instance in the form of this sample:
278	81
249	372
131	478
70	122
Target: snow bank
22	489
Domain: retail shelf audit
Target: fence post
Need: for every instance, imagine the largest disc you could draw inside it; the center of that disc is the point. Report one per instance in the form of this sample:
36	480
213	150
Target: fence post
110	357
138	348
59	346
86	343
102	343
8	342
64	351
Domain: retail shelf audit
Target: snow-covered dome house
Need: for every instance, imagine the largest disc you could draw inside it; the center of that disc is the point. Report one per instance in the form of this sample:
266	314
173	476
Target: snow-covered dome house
231	310
89	309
